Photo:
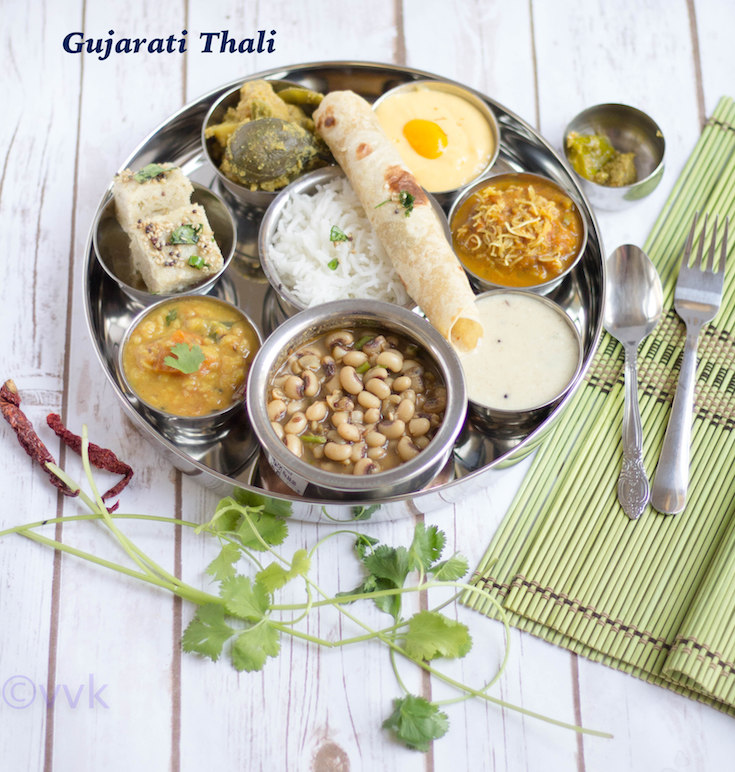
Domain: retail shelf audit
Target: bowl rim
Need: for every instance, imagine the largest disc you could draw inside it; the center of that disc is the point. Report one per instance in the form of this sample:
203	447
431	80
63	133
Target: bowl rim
537	288
506	413
316	320
657	133
469	96
150	298
193	419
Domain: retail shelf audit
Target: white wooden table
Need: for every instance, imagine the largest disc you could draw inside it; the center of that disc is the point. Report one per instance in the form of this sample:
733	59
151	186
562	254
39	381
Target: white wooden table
126	697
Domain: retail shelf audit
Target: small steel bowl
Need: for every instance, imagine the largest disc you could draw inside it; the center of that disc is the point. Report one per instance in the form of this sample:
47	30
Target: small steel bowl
516	423
630	131
287	300
312	481
481	284
186	430
112	247
259	199
445	197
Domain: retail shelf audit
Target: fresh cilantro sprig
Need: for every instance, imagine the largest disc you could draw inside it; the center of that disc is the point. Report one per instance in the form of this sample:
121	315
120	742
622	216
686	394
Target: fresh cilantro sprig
243	618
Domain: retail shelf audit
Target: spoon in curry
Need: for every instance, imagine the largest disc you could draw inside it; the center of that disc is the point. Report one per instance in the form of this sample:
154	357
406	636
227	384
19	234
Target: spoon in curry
633	306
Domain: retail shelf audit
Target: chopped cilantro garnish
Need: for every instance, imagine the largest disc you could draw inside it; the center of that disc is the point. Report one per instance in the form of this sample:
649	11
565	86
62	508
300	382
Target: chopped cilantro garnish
362	341
337	234
332	264
186	234
171	316
187	359
196	261
405	199
149	172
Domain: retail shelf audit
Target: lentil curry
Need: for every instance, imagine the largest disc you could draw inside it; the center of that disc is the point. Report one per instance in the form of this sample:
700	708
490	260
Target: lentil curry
356	401
195	333
517	231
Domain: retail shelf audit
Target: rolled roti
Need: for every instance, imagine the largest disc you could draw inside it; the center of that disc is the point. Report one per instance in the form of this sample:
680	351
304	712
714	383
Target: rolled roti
415	240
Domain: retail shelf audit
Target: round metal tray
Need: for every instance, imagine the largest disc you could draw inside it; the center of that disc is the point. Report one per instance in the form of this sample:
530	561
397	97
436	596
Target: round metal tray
234	461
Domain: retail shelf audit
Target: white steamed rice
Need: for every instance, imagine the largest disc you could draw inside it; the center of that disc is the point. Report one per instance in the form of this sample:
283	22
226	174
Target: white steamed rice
300	250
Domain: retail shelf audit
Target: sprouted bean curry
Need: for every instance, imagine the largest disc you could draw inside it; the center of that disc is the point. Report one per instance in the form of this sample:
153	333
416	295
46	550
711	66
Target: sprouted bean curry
517	231
190	356
357	401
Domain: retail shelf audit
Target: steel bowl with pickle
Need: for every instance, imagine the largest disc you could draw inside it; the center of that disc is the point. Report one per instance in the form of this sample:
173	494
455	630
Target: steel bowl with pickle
259	137
356	400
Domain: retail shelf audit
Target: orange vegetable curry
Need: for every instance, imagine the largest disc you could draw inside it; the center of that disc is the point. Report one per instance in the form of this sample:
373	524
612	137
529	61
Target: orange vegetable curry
517	231
190	356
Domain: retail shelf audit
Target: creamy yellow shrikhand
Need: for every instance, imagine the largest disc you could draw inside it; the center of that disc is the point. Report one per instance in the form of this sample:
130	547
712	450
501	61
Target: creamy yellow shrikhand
527	357
442	138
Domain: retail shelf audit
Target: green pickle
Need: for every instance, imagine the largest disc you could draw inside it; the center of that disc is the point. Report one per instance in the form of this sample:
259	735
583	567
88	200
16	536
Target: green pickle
593	157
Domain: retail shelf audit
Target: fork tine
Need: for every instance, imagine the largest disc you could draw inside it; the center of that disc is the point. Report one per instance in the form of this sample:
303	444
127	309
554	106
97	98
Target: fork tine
723	249
710	262
700	246
688	245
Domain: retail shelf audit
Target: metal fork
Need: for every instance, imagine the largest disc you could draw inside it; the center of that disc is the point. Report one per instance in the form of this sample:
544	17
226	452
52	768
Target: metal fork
697	299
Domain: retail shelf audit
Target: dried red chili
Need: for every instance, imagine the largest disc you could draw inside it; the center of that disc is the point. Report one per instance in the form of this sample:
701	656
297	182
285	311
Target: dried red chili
101	458
26	434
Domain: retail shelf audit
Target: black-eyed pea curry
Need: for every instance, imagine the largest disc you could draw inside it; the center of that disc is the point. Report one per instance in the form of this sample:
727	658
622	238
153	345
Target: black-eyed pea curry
357	401
190	356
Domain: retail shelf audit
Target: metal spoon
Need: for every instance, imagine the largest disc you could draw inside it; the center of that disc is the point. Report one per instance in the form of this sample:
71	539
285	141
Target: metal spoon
633	306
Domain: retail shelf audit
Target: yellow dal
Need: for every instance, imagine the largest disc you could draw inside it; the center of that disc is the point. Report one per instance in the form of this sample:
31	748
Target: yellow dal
224	336
469	144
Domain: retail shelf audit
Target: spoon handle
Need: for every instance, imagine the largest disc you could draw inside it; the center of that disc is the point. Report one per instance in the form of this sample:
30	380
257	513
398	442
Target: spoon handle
633	486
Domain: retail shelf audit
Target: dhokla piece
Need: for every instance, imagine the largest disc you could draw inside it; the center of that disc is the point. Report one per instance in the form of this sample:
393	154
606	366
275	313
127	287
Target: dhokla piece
175	250
145	193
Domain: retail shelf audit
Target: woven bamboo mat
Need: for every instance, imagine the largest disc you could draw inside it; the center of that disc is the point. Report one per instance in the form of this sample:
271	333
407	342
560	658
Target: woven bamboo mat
654	597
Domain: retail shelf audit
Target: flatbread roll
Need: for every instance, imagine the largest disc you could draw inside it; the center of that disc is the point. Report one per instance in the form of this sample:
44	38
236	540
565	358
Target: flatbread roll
415	240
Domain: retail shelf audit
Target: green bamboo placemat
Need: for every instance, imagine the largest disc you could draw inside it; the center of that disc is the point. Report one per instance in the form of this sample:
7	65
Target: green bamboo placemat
654	597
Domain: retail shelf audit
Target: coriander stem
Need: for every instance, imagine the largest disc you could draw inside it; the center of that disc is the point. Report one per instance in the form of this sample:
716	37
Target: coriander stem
188	593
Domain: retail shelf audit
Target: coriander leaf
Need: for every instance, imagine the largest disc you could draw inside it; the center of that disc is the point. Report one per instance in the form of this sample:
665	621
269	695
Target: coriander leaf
171	316
149	172
431	634
187	359
363	542
406	199
271	529
426	547
227	516
450	570
270	506
207	632
417	722
186	234
223	566
391	563
275	576
243	598
363	512
253	646
337	234
333	264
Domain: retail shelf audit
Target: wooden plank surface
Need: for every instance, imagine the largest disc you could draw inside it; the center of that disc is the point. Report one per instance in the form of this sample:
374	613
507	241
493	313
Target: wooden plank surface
76	631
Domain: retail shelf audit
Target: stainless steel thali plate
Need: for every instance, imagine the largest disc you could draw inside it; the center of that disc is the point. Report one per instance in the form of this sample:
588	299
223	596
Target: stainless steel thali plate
234	461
